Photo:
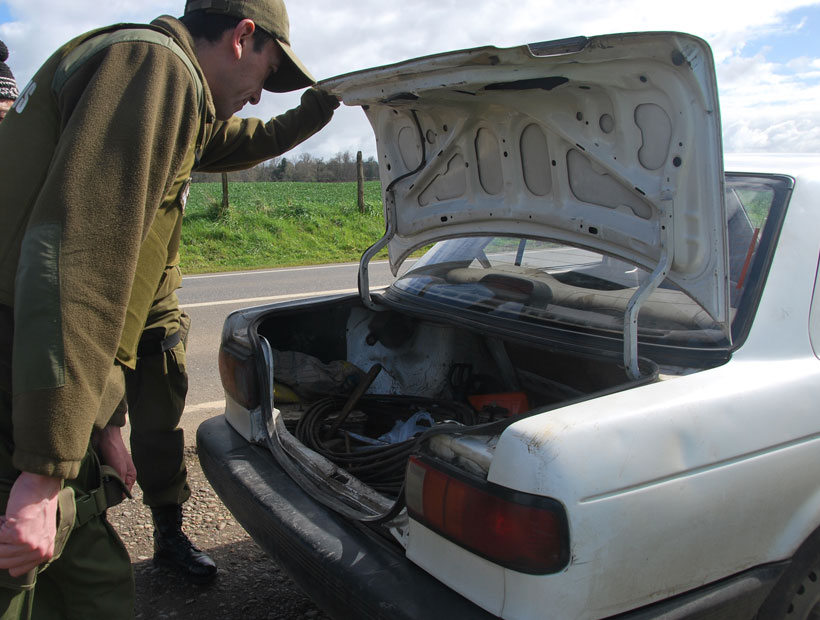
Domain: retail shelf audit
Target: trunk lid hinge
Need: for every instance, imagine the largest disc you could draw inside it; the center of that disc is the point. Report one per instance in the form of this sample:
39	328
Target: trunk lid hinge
666	234
369	253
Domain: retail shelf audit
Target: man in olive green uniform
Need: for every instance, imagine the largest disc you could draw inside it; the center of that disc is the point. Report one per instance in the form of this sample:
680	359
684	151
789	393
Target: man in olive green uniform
95	163
157	387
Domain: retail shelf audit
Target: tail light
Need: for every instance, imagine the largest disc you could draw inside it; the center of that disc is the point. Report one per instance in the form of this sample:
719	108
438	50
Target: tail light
238	374
523	532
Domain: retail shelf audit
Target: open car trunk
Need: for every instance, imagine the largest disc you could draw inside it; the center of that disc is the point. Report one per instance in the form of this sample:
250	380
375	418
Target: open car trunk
355	392
578	186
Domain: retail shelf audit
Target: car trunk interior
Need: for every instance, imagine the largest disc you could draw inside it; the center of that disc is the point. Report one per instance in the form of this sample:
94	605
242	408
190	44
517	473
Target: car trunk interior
395	376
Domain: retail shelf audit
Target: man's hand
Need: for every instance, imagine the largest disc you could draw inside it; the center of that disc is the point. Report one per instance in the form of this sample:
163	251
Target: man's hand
332	101
28	528
327	101
112	452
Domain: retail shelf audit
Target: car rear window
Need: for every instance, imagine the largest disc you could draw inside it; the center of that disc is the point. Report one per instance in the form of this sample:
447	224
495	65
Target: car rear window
542	282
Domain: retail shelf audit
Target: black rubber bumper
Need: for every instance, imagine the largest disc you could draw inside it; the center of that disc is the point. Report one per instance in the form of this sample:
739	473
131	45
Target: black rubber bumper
348	571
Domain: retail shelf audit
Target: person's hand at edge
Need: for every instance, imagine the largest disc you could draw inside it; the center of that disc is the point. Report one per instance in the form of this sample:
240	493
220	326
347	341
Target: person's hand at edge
28	528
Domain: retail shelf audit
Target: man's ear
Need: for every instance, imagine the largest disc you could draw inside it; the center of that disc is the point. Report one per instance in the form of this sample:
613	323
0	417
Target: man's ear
242	34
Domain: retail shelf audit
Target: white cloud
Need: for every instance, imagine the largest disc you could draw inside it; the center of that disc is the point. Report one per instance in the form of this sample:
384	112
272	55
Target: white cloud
764	105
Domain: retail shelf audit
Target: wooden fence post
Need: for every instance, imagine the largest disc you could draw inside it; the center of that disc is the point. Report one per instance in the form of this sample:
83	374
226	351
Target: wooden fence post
224	194
360	180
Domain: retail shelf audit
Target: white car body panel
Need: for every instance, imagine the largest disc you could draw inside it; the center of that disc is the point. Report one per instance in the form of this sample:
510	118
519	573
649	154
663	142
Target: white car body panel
727	455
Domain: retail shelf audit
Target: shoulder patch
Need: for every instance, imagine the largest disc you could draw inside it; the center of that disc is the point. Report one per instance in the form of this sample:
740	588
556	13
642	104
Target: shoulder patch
22	100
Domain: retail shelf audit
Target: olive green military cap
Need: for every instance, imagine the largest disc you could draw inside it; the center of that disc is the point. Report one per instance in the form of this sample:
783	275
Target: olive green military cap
272	17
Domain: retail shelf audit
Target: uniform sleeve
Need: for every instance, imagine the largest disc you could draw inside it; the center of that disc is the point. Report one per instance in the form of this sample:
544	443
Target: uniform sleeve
240	143
127	118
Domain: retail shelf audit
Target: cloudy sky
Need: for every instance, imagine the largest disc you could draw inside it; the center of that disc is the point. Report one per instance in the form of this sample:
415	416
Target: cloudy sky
767	53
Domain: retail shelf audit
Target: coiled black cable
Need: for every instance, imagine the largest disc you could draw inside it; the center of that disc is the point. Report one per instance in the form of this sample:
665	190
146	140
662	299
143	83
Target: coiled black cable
381	467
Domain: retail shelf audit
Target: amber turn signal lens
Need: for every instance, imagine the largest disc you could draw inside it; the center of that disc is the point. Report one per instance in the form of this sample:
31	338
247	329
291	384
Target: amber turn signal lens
238	377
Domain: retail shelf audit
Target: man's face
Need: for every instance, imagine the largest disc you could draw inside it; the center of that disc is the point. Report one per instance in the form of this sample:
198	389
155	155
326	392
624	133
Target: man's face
5	106
240	79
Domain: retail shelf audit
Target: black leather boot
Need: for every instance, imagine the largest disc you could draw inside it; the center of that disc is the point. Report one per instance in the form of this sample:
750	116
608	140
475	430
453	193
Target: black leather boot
173	549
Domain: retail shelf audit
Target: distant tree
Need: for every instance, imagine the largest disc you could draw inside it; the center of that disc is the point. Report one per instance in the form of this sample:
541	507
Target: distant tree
341	167
371	169
306	168
280	169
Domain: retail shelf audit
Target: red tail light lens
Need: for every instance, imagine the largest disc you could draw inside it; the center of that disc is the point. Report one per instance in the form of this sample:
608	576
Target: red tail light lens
523	532
239	378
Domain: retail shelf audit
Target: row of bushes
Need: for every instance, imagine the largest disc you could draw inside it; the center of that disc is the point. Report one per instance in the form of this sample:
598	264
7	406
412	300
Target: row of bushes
306	168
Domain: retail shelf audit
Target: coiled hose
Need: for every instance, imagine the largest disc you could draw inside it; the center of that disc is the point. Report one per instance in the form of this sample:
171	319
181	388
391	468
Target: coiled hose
382	467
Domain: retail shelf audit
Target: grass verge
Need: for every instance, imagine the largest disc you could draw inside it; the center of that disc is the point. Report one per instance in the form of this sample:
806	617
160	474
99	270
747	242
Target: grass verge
278	225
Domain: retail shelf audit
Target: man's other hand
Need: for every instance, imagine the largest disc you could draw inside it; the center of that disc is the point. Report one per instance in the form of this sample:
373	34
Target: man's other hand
112	451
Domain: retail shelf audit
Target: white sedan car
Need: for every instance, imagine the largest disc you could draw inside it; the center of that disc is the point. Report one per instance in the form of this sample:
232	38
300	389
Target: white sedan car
597	391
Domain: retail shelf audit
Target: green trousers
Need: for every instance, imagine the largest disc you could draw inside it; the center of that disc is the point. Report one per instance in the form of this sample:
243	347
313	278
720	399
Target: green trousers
92	578
155	391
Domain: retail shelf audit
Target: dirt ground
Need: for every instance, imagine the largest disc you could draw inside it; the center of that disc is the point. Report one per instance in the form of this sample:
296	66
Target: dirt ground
249	585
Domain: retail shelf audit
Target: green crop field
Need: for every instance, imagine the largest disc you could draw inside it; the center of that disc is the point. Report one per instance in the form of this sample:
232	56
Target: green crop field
278	225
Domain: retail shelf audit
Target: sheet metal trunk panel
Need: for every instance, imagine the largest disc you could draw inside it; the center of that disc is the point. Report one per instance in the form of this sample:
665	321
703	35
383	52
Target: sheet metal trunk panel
589	142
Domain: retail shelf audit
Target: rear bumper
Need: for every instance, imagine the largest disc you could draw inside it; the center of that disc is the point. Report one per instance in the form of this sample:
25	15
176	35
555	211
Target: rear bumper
351	573
345	569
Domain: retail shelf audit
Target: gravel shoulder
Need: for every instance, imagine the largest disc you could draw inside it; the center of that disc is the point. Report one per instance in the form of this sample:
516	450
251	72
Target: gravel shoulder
249	585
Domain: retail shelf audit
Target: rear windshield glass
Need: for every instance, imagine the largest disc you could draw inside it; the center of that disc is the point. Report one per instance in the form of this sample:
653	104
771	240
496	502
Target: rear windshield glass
553	284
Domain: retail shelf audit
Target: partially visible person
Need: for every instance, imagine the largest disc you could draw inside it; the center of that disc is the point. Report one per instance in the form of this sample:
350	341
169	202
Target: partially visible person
95	165
8	87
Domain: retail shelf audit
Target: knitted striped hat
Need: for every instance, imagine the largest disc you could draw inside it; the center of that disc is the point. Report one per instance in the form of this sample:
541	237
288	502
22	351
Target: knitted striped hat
8	87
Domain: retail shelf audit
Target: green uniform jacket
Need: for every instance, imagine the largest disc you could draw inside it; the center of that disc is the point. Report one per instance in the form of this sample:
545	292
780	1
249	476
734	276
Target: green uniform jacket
93	164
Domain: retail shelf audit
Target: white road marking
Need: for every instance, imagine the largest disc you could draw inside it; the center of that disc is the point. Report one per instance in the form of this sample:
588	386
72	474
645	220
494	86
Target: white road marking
254	300
228	274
